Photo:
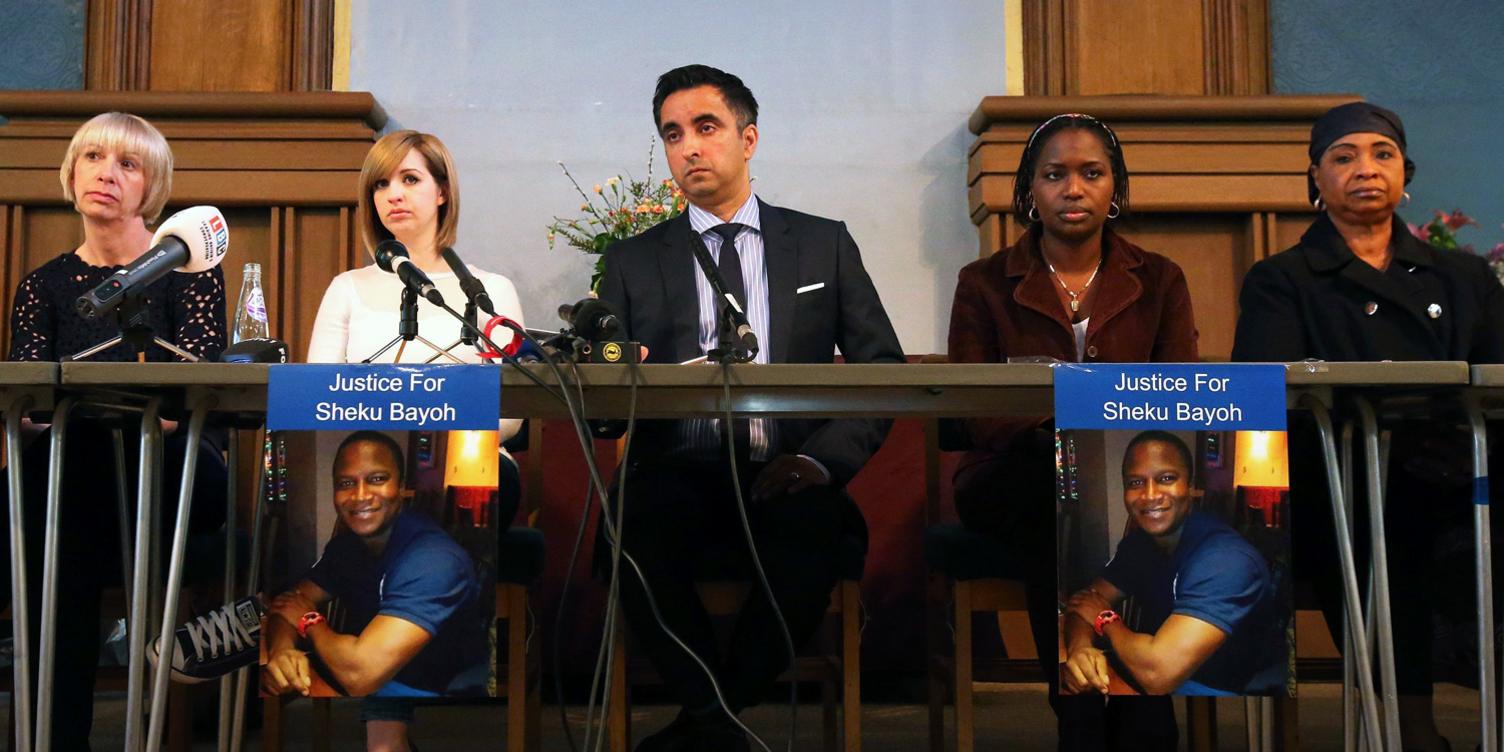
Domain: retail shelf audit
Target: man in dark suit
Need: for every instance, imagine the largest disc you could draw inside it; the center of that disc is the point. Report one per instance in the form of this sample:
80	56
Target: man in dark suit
801	282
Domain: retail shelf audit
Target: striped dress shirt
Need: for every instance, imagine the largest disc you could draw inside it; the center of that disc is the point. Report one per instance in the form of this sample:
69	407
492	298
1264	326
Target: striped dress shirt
701	438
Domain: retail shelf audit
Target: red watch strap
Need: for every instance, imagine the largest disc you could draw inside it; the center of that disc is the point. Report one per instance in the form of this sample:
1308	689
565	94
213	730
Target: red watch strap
309	619
1105	617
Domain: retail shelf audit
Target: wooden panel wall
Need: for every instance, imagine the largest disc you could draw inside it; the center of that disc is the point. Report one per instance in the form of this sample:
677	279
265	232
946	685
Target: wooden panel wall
220	46
1085	47
1216	183
283	168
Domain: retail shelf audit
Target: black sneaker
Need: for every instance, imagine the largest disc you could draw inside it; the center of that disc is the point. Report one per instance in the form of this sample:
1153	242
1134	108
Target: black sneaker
216	643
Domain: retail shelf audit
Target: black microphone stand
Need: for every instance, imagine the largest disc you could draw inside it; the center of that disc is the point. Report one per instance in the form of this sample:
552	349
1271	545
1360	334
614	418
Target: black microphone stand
407	331
467	333
135	330
728	347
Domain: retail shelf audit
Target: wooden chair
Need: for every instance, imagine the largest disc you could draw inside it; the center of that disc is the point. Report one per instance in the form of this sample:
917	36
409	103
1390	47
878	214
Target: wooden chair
955	592
723	598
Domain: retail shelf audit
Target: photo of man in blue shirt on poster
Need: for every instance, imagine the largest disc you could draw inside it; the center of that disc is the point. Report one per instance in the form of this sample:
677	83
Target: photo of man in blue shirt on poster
1204	599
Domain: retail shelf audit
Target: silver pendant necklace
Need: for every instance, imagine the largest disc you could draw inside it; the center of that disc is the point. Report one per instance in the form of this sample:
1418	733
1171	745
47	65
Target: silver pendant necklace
1075	296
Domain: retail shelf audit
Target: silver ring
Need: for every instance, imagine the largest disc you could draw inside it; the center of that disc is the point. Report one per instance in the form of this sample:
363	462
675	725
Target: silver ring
794	476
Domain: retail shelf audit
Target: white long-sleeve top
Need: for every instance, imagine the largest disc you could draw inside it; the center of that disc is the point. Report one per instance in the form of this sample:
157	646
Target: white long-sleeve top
359	314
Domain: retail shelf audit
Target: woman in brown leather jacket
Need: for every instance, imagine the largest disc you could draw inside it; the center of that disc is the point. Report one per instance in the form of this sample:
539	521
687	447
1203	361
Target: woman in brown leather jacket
1073	290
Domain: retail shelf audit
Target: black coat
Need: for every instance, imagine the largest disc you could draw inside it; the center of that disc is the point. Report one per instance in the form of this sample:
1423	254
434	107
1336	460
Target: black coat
1318	300
650	279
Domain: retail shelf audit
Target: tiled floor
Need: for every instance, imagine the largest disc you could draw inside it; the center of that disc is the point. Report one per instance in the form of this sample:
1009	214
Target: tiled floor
1014	717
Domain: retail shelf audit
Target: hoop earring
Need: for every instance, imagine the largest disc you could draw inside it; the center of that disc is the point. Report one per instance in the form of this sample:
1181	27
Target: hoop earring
1033	213
1318	203
1405	199
1114	211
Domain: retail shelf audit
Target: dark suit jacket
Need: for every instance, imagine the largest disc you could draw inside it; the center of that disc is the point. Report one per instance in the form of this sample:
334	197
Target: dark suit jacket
1006	307
1312	301
650	279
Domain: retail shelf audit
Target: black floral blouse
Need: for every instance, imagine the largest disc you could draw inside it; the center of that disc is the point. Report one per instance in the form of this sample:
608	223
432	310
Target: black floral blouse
187	310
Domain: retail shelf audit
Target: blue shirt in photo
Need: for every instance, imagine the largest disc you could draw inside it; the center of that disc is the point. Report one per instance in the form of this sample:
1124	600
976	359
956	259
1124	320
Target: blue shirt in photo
423	577
1216	576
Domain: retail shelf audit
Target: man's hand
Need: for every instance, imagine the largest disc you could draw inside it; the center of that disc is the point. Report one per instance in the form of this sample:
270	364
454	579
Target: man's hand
787	474
1085	671
1086	604
287	671
290	607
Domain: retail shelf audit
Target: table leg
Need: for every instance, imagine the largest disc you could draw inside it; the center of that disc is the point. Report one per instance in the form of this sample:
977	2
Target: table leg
147	482
1382	623
1483	545
47	648
227	682
175	570
20	613
1359	650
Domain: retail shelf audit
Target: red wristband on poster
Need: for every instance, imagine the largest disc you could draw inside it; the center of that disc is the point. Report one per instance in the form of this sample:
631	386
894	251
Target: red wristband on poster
309	619
1104	618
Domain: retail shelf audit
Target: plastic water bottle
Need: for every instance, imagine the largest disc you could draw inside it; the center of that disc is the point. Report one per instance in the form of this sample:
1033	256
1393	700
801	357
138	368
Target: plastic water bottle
250	310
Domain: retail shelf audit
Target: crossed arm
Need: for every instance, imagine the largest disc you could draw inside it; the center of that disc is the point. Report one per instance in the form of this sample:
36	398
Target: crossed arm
1159	662
361	662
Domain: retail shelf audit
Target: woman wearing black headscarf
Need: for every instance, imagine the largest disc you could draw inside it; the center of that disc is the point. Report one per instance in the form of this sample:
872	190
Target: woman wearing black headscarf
1360	287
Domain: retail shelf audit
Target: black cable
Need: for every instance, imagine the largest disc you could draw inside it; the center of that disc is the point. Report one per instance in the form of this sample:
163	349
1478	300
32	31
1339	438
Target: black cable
582	433
762	577
508	359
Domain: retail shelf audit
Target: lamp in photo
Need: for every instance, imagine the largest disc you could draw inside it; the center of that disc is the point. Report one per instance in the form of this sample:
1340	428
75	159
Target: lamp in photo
471	474
1261	474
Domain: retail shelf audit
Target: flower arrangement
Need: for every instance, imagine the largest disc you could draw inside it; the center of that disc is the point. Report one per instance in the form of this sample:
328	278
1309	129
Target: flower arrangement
1441	232
618	209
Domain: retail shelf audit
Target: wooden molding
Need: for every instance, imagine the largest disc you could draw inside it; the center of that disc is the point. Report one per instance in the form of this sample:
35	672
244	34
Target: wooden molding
291	106
1076	47
1237	46
235	45
1044	47
117	50
313	45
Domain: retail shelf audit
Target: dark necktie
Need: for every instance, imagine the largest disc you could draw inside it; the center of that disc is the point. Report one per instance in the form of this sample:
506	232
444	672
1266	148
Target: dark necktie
730	263
730	267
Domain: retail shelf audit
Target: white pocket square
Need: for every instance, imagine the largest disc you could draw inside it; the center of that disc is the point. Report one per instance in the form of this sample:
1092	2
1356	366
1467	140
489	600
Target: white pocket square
809	288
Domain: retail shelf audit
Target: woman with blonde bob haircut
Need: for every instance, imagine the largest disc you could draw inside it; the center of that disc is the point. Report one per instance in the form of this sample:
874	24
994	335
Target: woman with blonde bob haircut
124	134
409	192
117	173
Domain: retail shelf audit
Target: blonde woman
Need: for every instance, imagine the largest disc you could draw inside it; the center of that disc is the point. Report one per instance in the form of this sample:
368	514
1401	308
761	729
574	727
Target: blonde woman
117	173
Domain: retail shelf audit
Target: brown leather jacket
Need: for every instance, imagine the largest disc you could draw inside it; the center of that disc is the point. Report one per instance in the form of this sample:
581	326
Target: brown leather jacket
1006	307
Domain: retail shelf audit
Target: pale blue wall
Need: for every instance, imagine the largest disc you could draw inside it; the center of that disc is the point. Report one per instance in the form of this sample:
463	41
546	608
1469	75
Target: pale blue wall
41	44
1439	64
863	113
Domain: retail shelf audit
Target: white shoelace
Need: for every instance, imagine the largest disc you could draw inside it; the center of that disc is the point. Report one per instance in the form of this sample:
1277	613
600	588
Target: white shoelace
221	629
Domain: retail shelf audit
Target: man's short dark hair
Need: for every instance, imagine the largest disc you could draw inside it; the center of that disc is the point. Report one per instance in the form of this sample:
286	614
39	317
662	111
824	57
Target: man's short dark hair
375	437
738	97
1163	437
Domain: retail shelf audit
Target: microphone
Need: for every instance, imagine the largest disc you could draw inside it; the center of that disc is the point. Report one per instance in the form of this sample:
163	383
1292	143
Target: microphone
746	339
193	240
391	256
592	319
473	288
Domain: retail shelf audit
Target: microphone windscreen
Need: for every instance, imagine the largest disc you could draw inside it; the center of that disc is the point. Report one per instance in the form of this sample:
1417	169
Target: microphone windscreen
387	252
596	320
202	229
